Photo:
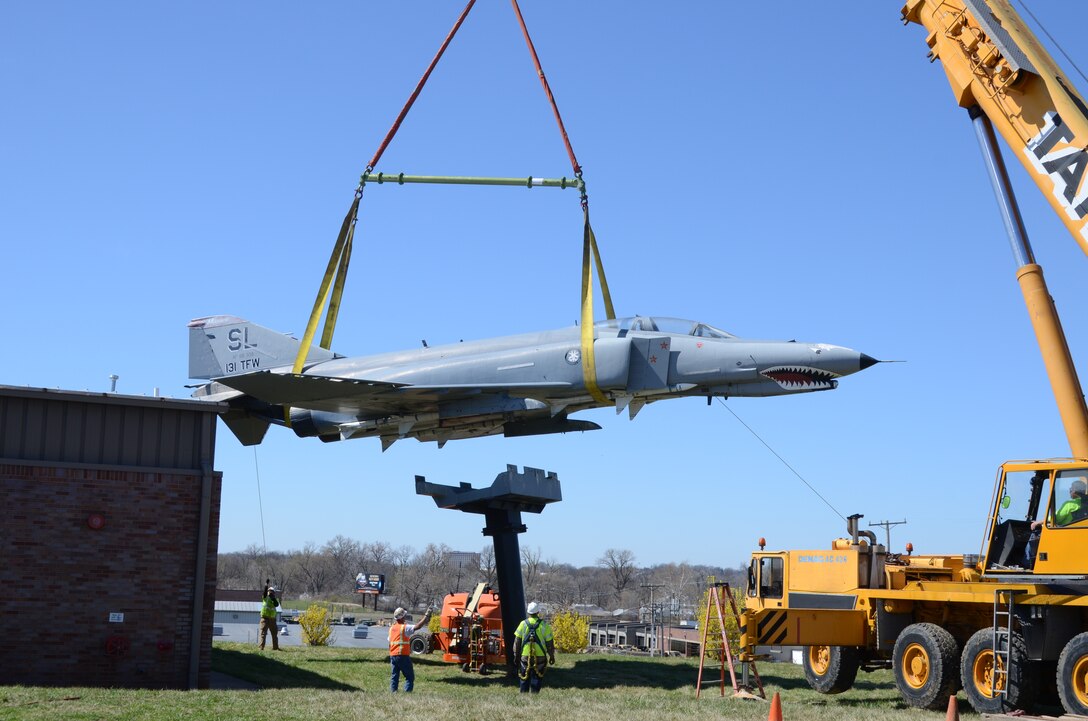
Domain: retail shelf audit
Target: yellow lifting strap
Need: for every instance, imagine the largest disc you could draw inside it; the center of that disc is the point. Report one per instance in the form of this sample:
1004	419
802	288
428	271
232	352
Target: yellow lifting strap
336	269
338	265
591	254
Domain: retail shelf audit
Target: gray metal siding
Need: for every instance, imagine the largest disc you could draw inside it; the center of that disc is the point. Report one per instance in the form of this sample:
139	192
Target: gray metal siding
40	425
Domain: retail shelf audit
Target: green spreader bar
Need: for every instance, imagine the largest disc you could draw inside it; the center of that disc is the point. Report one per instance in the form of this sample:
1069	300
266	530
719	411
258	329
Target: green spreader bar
530	182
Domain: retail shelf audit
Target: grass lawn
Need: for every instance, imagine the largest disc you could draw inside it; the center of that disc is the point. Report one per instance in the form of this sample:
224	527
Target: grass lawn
344	684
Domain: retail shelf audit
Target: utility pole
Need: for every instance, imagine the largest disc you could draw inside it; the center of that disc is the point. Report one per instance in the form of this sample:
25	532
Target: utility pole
653	617
887	530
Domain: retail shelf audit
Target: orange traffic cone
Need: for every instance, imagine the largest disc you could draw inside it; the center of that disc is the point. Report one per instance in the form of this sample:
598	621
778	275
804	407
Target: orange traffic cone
776	709
953	710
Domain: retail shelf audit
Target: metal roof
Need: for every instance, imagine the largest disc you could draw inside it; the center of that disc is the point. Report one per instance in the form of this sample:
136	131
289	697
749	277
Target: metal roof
238	606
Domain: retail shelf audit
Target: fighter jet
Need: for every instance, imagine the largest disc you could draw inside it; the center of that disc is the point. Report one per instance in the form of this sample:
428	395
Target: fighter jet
517	385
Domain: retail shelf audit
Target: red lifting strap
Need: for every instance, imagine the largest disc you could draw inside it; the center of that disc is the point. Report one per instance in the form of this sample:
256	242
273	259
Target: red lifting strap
419	86
438	56
547	90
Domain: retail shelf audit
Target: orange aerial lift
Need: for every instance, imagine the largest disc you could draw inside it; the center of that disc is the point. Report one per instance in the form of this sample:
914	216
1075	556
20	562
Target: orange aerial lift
470	633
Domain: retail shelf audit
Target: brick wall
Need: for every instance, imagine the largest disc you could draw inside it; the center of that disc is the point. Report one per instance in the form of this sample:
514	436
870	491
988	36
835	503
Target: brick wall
61	578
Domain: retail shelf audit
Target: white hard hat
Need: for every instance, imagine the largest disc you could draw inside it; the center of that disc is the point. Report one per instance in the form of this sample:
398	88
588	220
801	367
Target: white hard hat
399	613
532	608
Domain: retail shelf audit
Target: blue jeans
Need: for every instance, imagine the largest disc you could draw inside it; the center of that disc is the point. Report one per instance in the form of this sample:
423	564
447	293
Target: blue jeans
529	675
1030	549
402	664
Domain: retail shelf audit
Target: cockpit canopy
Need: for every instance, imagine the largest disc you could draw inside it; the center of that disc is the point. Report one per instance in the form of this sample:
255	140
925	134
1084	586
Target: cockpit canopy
664	324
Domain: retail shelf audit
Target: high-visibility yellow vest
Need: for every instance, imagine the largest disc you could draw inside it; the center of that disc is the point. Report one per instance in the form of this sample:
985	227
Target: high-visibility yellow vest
543	633
268	607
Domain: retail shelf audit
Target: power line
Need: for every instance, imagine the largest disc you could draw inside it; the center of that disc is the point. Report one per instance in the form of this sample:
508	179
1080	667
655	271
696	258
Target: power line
887	525
653	616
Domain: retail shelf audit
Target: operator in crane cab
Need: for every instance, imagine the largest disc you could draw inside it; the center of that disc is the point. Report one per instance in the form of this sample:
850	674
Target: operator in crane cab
1076	507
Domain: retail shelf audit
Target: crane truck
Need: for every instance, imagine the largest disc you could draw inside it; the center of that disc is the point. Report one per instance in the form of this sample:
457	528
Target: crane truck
1008	625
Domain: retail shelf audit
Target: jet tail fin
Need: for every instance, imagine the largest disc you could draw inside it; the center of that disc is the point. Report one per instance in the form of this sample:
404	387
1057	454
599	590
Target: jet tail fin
224	345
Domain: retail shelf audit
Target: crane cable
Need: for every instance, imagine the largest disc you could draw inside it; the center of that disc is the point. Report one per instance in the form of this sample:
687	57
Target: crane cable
590	252
340	258
783	460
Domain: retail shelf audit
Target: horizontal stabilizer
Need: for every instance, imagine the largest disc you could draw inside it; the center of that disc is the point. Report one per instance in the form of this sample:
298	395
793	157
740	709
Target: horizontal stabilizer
290	389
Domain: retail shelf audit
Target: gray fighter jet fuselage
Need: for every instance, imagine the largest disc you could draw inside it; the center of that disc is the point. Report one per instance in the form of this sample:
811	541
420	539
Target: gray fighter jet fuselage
515	385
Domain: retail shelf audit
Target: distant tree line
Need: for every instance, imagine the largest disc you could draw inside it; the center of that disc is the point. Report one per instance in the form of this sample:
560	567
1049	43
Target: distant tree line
414	578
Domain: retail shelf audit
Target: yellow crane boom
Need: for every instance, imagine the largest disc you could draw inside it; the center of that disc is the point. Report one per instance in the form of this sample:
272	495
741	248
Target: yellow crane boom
998	69
994	61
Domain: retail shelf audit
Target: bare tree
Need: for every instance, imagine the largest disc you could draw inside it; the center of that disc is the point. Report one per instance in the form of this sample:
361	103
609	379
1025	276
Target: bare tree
256	566
421	579
378	556
620	563
530	569
345	559
485	565
313	569
231	572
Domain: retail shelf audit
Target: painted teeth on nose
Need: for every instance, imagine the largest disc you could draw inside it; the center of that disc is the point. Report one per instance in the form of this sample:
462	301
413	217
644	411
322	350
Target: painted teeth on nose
800	377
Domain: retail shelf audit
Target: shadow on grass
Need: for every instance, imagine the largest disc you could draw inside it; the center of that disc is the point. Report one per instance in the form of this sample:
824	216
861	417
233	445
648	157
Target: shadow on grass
492	679
267	672
593	673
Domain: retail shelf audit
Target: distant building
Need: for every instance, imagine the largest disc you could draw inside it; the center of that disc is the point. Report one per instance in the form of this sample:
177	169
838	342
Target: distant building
465	565
238	612
464	560
641	637
224	594
594	612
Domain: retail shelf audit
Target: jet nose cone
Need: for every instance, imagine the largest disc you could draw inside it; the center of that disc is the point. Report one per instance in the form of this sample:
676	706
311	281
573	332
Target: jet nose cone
865	361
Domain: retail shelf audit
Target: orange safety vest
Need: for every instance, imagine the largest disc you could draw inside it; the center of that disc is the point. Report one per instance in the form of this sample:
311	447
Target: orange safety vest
400	644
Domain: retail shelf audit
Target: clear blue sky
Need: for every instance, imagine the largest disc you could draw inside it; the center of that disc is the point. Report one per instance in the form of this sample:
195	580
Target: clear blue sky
799	173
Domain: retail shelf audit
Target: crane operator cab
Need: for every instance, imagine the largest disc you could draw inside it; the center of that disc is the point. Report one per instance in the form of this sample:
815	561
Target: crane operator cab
1039	521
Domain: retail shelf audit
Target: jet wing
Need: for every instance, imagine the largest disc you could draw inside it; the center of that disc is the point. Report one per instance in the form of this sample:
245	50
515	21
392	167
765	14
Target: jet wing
351	395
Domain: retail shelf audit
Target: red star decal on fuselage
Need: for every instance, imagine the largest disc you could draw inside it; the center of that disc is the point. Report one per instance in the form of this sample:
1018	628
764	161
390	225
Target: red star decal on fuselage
653	359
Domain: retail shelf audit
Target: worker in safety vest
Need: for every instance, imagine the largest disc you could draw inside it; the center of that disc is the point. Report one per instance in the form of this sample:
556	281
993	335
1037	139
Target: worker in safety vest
400	649
269	607
532	642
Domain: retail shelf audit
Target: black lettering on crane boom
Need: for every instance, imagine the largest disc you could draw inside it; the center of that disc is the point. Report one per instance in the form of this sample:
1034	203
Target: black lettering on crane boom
1065	167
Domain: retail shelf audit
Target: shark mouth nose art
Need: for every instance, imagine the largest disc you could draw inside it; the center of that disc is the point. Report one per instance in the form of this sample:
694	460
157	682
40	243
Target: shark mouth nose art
801	378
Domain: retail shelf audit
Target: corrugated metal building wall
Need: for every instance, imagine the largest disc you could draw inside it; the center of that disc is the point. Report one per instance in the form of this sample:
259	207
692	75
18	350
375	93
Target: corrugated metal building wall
110	538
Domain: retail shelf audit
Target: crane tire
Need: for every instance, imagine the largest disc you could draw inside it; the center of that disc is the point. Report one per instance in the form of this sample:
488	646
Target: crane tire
831	669
977	673
925	662
1072	675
